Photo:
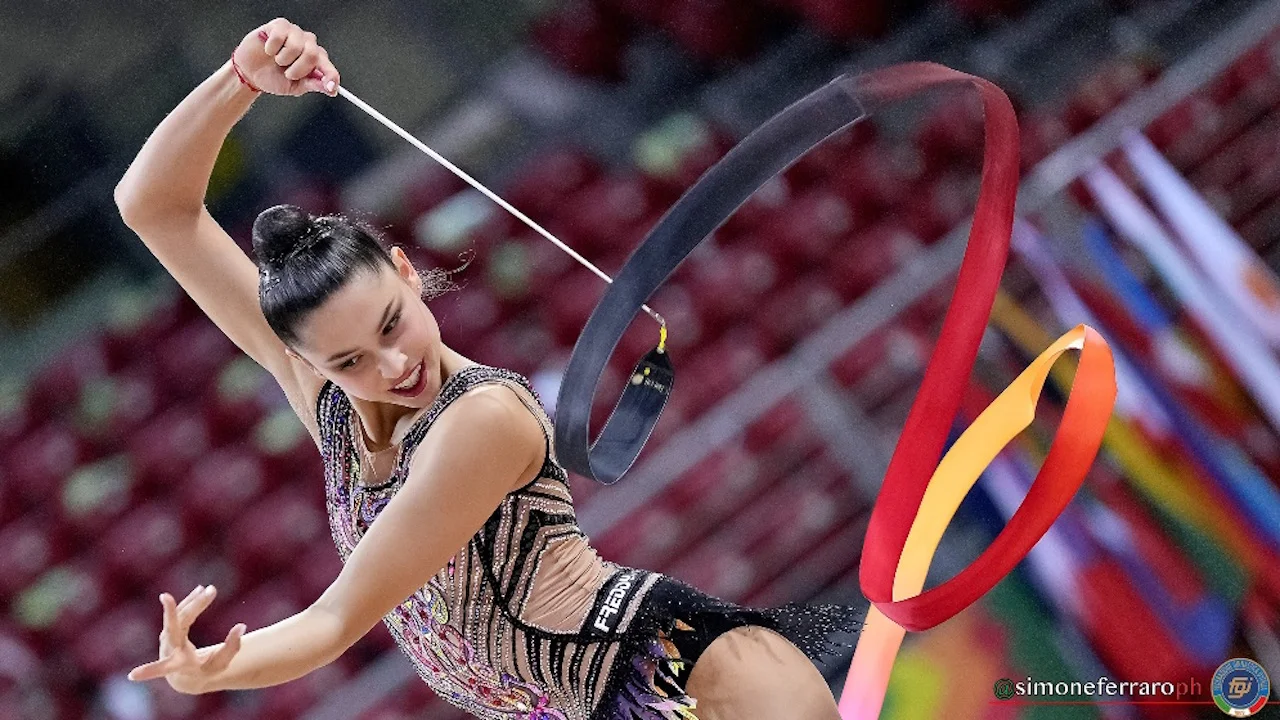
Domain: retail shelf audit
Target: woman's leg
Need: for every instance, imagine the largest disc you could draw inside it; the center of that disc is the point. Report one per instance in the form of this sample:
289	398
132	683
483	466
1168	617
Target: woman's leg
752	672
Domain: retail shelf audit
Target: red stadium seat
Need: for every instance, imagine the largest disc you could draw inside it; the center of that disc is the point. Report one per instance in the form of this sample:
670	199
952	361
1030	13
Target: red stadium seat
119	640
820	164
519	345
879	179
57	606
648	538
808	229
730	290
294	698
94	497
647	12
714	30
113	408
940	205
584	39
143	544
467	315
288	452
317	570
189	360
164	449
270	536
565	309
431	186
770	200
238	399
55	389
540	187
796	520
793	312
597	218
951	135
28	546
826	562
38	463
883	366
135	339
719	486
1041	134
220	487
721	367
866	259
787	423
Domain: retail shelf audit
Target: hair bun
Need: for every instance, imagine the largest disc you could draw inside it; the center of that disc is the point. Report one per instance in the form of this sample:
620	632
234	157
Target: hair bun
278	231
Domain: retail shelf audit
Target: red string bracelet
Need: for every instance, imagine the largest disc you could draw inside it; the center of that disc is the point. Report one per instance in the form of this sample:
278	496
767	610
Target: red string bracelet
240	75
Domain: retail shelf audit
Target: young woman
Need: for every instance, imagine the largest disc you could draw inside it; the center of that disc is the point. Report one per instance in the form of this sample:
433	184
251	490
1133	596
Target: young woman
447	505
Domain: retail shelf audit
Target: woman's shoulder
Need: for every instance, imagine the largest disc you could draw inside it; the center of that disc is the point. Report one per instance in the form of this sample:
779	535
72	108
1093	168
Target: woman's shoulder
493	417
494	407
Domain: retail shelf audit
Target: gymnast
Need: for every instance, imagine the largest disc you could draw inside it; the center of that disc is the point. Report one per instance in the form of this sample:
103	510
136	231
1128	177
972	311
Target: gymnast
446	502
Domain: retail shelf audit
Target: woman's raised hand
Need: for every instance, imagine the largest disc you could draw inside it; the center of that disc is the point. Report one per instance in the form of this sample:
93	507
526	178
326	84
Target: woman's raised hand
186	667
283	59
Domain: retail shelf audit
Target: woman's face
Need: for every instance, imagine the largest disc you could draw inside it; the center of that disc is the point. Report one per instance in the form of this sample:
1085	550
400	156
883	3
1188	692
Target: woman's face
376	339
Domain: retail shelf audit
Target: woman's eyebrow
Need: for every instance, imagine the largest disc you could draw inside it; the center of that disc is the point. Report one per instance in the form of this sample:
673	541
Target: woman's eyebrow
386	313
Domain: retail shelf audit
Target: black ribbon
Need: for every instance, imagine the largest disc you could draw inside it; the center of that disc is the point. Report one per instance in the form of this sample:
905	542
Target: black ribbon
771	148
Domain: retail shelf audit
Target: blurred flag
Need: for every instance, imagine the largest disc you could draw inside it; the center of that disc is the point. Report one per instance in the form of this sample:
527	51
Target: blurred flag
1252	360
1132	399
1223	256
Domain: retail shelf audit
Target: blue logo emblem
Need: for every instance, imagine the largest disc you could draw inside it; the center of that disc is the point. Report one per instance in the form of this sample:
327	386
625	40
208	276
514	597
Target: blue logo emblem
1240	687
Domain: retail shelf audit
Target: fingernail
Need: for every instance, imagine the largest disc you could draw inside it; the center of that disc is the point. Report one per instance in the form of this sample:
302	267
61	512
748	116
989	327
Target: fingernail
262	35
330	86
208	590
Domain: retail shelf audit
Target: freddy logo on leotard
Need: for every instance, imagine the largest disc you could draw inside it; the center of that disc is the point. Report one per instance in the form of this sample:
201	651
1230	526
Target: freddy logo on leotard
609	605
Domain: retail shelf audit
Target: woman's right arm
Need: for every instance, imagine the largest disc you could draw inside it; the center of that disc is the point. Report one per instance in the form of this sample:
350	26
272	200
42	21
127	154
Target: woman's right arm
161	196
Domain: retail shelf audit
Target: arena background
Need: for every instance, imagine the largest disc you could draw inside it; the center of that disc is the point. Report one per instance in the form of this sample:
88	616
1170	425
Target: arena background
143	453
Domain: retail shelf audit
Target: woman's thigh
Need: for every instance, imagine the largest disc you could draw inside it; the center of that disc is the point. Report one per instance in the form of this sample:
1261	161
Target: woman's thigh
752	672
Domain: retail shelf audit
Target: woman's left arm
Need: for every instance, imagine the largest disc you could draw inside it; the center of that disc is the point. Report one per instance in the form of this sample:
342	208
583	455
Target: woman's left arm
475	454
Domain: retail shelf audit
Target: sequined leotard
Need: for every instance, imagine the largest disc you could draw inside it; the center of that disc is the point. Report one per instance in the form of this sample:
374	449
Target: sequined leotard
526	622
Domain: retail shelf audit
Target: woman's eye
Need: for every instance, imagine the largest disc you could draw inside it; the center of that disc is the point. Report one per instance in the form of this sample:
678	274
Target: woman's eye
395	320
349	363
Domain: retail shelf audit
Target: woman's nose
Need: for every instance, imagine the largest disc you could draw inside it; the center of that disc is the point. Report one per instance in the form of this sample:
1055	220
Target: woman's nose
392	363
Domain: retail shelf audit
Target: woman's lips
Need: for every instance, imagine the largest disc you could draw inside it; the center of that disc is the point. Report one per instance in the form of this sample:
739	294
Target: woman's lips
419	386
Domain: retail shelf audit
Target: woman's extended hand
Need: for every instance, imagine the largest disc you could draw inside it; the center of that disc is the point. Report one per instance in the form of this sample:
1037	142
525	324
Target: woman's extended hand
186	667
283	59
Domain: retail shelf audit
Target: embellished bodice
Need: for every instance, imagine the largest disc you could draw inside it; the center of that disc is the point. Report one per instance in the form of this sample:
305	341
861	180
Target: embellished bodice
501	630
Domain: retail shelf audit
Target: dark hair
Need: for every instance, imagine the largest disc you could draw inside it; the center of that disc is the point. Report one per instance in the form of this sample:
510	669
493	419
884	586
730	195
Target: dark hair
302	260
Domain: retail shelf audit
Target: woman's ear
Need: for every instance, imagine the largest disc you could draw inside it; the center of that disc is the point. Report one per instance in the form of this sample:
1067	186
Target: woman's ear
405	269
294	355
